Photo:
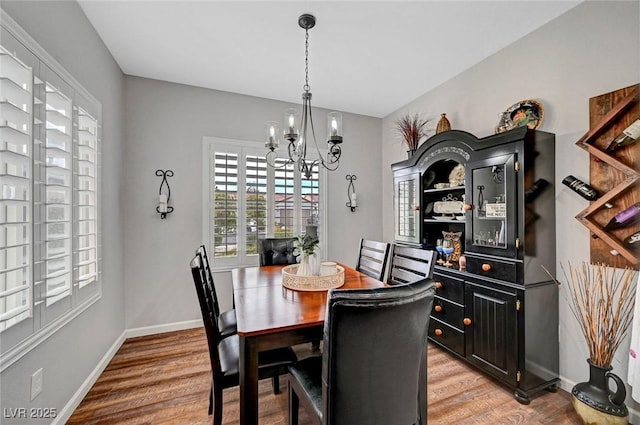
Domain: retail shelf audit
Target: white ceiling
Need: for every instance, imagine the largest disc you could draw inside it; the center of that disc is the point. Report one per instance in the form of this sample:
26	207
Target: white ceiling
365	57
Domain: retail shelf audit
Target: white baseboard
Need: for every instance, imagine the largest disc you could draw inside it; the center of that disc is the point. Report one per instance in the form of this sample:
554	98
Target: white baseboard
158	329
634	415
65	413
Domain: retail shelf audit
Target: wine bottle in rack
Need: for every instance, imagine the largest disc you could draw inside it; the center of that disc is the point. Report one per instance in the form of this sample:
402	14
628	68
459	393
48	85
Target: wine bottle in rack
632	241
581	188
624	218
630	135
536	189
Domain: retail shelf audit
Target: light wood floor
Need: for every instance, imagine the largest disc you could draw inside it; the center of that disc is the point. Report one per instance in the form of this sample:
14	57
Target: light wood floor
165	379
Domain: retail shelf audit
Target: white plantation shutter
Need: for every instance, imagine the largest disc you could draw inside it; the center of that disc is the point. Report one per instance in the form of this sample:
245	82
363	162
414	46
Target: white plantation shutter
245	200
255	210
16	120
55	207
86	244
49	194
284	208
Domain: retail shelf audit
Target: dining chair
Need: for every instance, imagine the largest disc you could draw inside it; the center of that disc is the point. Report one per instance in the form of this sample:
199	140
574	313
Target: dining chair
274	251
410	264
373	370
372	258
224	352
227	321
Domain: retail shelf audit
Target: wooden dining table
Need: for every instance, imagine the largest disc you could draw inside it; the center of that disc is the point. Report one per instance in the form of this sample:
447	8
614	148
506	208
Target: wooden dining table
272	316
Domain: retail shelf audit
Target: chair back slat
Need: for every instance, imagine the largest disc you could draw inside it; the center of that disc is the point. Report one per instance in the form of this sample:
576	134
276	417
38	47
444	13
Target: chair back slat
410	264
202	251
372	258
208	317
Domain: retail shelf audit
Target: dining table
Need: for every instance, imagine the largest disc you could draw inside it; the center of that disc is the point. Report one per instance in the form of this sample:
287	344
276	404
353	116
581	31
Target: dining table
271	315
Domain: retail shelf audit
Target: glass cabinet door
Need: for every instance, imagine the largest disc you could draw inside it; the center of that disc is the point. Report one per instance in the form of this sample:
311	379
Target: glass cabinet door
493	222
407	207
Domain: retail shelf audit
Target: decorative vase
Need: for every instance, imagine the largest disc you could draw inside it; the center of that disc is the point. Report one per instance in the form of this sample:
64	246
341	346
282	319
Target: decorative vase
309	265
304	269
410	153
594	401
443	124
314	263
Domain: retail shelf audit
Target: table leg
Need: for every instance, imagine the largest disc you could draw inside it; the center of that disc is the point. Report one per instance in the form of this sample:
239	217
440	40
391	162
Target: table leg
248	381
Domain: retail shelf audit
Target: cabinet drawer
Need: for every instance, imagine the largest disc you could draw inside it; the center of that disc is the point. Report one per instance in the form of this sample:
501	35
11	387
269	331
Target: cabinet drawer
496	269
449	288
447	336
448	312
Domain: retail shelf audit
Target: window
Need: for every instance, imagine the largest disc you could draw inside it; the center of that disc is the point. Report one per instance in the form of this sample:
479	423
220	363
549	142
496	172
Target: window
244	200
49	180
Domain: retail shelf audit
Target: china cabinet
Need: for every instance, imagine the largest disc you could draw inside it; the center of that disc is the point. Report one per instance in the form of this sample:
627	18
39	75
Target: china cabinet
494	197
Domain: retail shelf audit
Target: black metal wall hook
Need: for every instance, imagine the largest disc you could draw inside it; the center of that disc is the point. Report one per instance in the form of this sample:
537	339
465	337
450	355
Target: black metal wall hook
351	192
163	207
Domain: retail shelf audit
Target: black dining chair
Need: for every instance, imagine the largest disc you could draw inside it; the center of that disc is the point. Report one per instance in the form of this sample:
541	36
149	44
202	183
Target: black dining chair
373	370
227	321
274	251
410	264
224	352
372	258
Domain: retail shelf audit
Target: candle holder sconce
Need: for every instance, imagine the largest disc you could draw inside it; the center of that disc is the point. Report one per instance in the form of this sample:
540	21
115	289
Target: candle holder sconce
163	207
351	193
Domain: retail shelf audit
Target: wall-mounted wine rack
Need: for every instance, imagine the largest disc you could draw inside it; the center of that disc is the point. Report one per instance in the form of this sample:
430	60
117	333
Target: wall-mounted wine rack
615	175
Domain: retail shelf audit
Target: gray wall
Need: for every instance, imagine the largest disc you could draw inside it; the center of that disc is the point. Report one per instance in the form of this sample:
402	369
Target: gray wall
592	49
70	355
165	123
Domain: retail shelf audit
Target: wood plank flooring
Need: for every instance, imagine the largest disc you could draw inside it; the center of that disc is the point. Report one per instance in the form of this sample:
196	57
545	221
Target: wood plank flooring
165	379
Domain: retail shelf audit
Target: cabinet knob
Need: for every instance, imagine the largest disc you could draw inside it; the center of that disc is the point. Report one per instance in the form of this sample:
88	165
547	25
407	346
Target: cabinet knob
466	321
486	267
437	308
467	207
438	285
438	332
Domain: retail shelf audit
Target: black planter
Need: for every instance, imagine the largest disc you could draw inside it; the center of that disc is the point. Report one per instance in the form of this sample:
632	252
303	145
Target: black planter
597	395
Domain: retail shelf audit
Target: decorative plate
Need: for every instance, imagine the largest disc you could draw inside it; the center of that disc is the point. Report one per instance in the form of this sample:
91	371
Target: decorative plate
456	177
527	112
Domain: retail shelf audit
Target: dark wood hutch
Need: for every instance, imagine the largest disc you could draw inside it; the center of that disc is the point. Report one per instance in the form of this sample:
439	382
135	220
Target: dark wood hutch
500	313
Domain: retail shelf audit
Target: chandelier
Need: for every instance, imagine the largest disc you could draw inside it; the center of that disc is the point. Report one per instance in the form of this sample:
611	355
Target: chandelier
298	128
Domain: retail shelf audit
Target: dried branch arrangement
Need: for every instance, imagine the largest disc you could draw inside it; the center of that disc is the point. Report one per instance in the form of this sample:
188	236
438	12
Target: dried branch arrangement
602	299
412	129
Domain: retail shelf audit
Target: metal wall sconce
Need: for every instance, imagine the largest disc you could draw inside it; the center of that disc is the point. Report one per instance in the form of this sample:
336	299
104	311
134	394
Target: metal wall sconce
351	193
163	207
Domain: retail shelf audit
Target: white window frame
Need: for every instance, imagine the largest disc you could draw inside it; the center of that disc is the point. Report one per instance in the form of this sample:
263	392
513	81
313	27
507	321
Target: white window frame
243	148
50	311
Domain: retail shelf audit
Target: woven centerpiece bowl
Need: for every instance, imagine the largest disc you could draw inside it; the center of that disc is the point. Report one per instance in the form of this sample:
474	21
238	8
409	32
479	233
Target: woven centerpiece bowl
311	283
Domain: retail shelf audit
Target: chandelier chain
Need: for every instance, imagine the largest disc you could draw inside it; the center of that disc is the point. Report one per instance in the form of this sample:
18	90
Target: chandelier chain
306	61
298	140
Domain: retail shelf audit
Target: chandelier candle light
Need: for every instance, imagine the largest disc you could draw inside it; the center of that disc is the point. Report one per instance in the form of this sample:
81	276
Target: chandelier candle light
297	148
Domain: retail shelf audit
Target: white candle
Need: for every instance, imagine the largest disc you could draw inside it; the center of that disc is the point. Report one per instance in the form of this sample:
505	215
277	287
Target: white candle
162	203
334	127
354	200
272	133
292	128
